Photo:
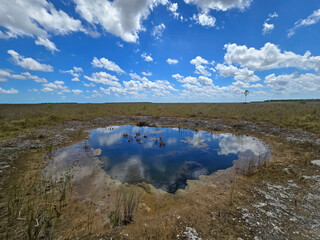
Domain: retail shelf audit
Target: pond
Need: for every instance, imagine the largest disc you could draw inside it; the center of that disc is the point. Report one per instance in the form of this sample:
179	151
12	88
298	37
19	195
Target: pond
167	157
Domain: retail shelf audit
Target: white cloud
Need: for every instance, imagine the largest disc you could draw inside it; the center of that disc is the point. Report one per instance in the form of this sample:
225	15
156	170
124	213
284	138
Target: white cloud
204	19
5	74
205	81
200	65
293	83
158	31
107	64
104	78
138	87
177	76
89	84
189	81
121	18
35	18
220	5
47	43
147	57
268	27
75	72
172	61
310	20
47	89
35	78
147	73
269	57
29	63
243	74
55	86
77	91
173	7
10	91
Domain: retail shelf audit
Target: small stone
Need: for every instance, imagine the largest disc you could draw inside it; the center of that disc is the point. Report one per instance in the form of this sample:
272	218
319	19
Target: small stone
316	162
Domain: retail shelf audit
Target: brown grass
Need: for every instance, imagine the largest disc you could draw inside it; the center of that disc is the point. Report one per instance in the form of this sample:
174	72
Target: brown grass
19	117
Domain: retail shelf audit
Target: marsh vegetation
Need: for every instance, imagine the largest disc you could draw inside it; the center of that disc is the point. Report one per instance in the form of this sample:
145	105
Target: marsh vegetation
214	207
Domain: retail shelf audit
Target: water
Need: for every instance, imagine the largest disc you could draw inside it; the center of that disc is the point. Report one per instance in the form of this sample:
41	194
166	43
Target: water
168	157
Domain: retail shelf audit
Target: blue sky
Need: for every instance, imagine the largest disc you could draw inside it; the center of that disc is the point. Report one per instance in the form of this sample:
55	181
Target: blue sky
158	50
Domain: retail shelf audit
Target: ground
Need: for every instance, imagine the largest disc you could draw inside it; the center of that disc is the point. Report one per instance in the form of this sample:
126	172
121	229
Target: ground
278	200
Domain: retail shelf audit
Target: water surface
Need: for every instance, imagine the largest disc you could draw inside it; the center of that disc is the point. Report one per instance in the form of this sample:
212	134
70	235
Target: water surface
168	157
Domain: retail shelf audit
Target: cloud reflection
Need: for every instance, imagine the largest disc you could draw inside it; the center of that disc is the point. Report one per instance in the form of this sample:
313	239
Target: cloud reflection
131	171
198	140
231	144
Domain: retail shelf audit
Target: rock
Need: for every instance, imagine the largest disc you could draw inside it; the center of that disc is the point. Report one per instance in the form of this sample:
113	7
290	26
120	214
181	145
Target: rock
316	162
191	234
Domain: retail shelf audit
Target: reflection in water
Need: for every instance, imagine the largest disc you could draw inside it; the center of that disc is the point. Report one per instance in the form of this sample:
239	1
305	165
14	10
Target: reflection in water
197	140
234	144
130	171
168	157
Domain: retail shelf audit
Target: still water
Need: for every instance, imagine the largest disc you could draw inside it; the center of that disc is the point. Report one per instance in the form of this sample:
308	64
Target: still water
168	157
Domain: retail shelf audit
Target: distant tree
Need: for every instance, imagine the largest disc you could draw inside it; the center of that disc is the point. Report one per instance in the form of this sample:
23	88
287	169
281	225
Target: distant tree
246	93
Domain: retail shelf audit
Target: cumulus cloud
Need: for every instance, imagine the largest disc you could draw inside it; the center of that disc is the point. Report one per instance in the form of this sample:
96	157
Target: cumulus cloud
158	31
47	43
55	86
104	78
147	57
268	27
77	91
173	7
268	57
75	72
204	19
121	18
5	74
293	83
35	18
107	64
28	63
177	76
310	20
89	84
147	73
243	74
10	91
35	78
172	61
140	86
201	66
190	81
220	5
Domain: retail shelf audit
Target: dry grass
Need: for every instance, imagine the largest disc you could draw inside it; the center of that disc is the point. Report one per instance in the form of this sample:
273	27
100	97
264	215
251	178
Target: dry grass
305	115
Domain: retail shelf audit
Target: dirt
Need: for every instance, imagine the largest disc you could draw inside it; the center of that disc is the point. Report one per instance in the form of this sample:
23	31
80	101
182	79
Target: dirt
281	202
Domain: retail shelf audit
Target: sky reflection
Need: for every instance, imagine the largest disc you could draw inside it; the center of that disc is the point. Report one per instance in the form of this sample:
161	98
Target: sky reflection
168	157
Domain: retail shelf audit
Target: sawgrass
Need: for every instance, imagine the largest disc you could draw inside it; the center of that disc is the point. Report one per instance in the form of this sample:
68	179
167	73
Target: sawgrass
15	118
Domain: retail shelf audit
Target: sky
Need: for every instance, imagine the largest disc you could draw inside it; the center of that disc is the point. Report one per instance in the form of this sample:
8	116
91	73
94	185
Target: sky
158	50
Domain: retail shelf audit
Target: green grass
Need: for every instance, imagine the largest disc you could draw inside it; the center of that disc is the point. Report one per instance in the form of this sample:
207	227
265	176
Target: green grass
19	117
